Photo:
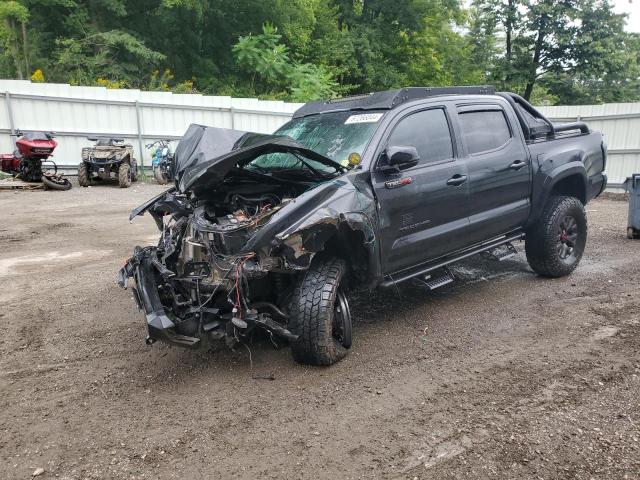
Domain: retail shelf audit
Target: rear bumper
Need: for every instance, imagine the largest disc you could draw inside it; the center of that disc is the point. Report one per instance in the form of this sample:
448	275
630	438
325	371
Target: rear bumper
596	185
141	268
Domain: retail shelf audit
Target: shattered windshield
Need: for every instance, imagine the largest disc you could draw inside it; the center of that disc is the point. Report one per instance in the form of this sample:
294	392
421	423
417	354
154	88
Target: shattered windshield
333	135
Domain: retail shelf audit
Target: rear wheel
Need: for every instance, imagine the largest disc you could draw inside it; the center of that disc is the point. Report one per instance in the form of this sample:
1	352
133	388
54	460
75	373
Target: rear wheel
83	175
556	242
124	176
320	315
134	170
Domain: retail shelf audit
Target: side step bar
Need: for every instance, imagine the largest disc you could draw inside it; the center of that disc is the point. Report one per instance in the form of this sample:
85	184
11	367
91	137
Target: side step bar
392	280
433	281
501	253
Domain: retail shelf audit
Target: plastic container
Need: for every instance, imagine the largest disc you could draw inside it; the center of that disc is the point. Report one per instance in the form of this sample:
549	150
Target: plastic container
632	185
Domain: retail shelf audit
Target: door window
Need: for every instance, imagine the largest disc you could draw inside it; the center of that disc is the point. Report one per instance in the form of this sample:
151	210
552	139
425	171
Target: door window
427	131
484	130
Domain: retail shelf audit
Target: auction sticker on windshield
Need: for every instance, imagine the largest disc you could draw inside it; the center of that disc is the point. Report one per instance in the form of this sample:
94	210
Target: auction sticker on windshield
364	118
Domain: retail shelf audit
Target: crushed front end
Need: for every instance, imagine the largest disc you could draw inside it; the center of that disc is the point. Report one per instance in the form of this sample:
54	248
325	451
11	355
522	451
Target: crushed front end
198	283
246	219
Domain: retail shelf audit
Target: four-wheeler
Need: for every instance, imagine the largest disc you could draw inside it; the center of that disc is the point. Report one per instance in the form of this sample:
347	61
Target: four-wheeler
108	158
270	232
162	162
32	150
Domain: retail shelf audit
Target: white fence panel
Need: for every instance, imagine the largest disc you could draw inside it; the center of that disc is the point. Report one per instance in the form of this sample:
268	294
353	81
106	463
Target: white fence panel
142	117
74	113
620	124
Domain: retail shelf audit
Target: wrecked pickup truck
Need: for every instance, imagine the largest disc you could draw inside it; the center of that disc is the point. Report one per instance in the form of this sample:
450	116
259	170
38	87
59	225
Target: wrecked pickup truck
270	232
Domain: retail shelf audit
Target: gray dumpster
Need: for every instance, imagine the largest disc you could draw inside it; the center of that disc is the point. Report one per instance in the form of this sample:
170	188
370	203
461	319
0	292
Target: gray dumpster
632	185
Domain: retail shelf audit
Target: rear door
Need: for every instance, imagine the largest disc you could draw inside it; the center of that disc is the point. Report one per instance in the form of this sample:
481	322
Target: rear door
423	209
499	169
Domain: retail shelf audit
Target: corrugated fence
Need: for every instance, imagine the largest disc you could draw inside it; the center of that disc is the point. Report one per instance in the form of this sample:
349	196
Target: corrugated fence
75	113
620	123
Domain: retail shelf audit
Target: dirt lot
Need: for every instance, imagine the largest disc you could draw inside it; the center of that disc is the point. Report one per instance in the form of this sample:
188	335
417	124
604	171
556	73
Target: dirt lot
500	375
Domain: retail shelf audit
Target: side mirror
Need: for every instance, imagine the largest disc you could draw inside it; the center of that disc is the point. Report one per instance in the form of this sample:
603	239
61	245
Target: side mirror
400	157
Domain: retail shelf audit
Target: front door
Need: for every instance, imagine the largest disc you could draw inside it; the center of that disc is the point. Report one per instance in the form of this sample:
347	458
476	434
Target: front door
423	210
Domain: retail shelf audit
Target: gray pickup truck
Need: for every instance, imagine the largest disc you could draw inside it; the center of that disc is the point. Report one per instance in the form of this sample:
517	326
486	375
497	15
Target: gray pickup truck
270	232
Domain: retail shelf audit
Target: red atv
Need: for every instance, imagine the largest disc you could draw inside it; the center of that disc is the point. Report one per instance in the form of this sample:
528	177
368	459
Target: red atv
34	149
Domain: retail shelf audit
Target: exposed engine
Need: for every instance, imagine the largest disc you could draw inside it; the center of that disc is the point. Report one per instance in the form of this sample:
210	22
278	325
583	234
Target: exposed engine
230	232
204	277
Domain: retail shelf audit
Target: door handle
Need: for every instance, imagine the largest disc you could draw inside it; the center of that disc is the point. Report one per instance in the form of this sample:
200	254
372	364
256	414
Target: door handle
517	165
457	180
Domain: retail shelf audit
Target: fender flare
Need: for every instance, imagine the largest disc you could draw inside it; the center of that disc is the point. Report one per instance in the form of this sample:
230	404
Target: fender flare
545	181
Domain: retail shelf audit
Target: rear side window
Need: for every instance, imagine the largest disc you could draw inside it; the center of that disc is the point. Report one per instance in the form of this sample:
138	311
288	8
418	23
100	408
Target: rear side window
428	131
484	130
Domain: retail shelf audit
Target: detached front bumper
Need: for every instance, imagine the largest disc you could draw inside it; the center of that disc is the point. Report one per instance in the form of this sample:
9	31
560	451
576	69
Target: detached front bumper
142	268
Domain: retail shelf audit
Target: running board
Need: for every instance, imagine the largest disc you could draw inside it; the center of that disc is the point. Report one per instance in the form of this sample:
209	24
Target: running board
432	282
501	253
392	280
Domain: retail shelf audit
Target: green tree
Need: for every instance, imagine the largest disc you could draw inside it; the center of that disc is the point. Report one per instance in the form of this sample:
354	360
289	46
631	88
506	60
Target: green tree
114	54
551	51
13	35
272	72
548	41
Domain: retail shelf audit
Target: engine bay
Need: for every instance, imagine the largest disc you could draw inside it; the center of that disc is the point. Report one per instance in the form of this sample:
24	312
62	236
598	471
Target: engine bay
231	218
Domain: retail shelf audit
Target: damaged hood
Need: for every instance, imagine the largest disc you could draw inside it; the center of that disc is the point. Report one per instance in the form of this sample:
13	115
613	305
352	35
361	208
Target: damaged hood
206	154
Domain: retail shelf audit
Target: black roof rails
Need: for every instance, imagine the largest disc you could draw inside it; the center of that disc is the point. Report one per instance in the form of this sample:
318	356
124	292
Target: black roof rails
387	100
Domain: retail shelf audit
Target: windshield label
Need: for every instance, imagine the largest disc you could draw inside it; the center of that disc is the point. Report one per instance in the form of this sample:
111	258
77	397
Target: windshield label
364	118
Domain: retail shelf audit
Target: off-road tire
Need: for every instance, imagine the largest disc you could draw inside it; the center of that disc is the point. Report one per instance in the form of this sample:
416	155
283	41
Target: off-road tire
83	175
134	170
311	314
124	179
543	239
158	175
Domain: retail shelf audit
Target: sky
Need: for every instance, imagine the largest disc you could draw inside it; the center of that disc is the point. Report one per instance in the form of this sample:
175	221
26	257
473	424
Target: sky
632	7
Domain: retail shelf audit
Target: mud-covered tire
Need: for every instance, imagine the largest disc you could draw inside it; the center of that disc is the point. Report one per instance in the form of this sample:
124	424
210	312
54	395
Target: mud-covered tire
315	299
134	170
555	243
83	175
160	178
124	179
59	183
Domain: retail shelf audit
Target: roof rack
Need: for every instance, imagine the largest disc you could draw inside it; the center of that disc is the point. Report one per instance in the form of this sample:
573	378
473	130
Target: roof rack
388	99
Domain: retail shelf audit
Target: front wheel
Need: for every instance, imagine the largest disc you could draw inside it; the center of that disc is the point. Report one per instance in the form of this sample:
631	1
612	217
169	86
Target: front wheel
124	176
319	314
84	178
555	243
159	176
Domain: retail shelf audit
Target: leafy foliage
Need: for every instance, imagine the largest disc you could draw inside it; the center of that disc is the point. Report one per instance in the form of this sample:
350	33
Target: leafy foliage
568	47
267	62
568	51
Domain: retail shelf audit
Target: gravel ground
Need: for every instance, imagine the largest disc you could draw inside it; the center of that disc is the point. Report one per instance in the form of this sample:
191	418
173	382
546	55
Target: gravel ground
499	375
